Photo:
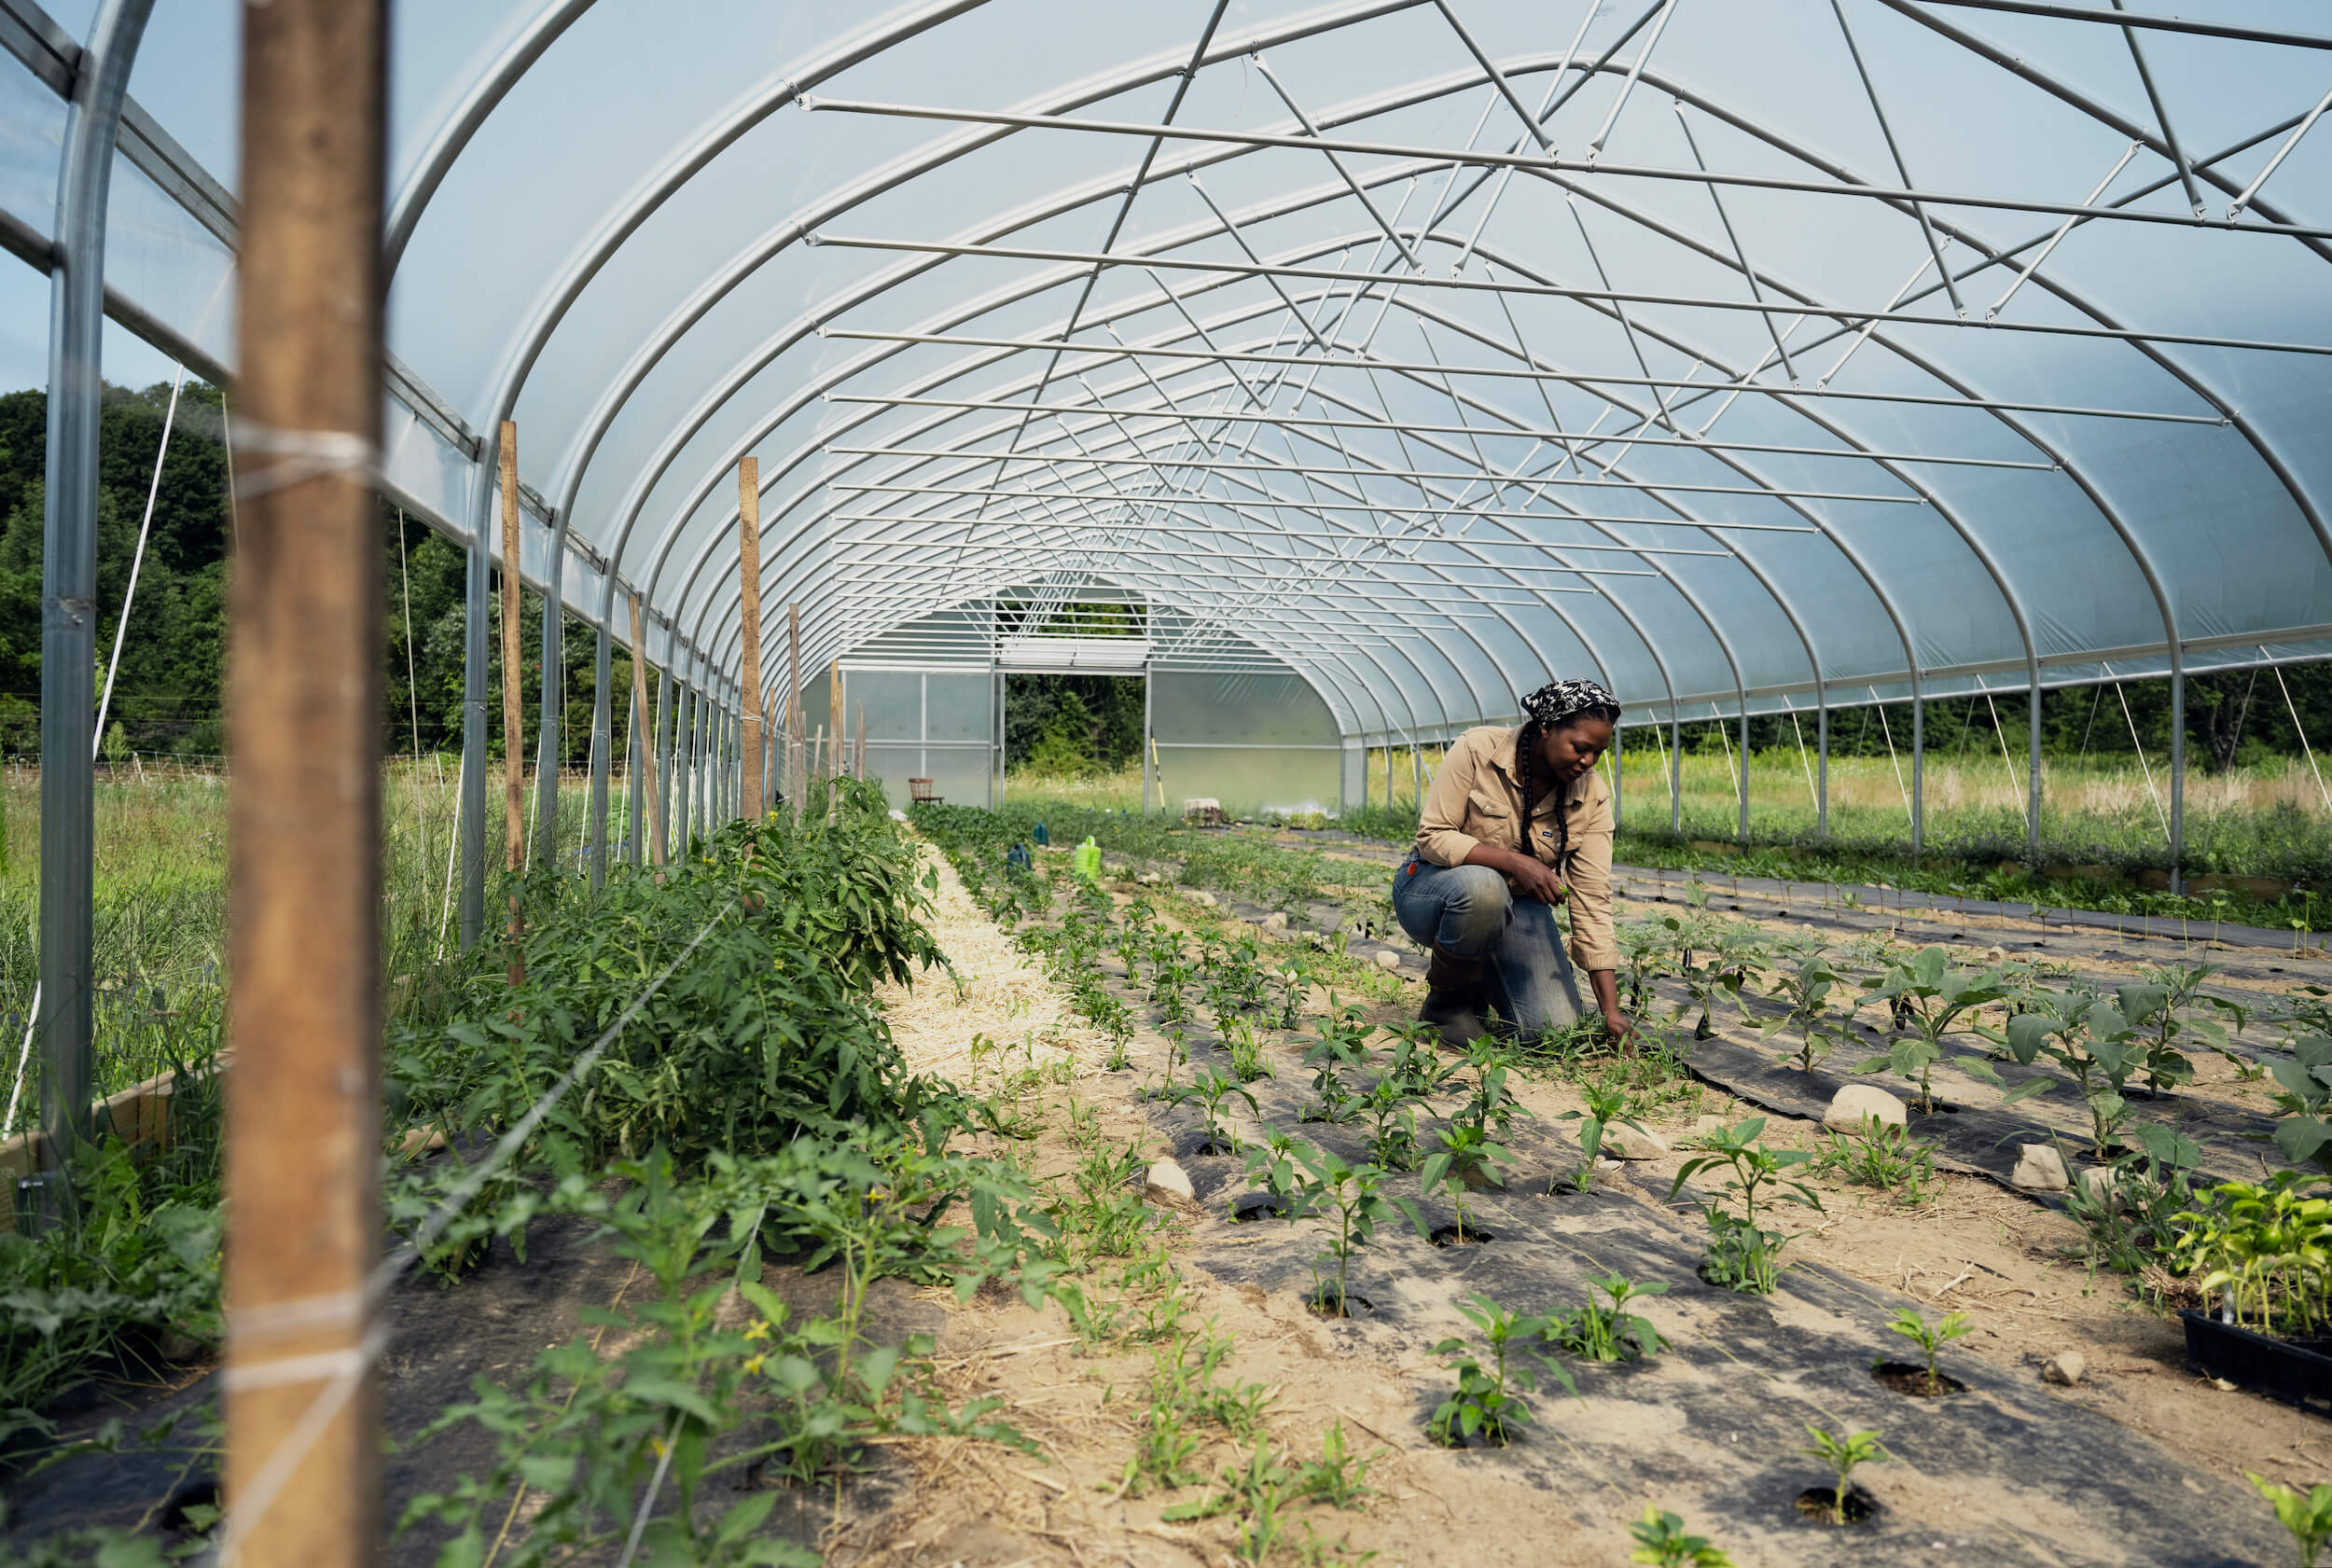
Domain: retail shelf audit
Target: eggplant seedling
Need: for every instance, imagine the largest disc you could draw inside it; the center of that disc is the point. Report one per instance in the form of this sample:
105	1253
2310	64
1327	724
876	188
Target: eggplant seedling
2091	1040
1930	1338
1928	997
1844	1455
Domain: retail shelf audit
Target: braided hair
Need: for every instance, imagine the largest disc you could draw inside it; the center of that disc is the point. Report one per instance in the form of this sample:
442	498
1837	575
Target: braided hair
1550	705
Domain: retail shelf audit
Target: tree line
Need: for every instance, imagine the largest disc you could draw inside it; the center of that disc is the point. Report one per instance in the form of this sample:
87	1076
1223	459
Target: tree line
167	695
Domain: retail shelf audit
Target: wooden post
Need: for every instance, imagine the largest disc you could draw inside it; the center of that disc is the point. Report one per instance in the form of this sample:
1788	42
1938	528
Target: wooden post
751	798
513	712
834	716
304	1114
796	768
858	752
651	807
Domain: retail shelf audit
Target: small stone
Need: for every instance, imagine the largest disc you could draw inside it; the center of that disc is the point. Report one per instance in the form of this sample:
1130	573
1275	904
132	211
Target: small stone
177	1347
1856	1105
2102	1187
2222	1385
1276	922
2039	1168
1149	879
1169	1183
1630	1142
2066	1368
1997	954
1203	897
1388	959
897	815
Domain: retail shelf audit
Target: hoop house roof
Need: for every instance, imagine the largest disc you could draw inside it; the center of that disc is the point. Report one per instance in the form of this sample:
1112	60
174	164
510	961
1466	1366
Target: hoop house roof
1743	356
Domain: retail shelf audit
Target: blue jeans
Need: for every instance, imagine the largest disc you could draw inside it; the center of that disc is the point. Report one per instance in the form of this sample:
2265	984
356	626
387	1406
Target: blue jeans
1467	912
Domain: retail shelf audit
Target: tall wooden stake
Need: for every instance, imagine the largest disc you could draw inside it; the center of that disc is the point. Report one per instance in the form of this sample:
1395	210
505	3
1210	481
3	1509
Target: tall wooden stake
651	809
749	606
304	1114
797	770
834	712
513	710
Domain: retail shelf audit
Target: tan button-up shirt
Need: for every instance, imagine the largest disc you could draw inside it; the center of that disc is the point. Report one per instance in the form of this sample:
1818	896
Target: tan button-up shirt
1475	799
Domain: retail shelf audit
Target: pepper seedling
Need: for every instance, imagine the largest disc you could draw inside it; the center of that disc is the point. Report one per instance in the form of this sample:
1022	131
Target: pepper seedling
1466	1155
1930	1338
1660	1540
1607	1106
1844	1455
1353	1194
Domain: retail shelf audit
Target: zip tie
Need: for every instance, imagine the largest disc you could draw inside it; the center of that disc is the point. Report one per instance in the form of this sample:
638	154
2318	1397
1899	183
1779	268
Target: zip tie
304	455
272	1320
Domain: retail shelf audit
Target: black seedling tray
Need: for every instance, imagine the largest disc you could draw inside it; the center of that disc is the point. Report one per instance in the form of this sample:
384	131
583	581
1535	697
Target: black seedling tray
2293	1371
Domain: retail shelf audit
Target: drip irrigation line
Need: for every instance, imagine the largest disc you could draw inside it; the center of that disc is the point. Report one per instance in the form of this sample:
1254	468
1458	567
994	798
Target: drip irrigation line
137	561
348	1366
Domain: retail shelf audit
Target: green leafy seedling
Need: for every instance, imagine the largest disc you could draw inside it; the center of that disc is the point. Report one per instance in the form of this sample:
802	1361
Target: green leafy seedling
1660	1540
1930	997
2307	1515
1930	1338
1467	1157
1844	1455
1607	1106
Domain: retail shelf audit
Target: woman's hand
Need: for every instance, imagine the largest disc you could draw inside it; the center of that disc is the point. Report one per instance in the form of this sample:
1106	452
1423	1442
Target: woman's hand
1617	1023
1535	879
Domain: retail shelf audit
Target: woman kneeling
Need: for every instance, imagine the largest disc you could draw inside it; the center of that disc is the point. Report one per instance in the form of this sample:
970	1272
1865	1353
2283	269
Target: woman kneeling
1517	821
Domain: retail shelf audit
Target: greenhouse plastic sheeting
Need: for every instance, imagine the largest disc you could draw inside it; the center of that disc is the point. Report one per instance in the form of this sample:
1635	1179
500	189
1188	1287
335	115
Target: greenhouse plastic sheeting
1745	357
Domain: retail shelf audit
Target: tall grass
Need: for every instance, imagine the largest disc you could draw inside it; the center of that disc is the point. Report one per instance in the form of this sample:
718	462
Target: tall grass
160	912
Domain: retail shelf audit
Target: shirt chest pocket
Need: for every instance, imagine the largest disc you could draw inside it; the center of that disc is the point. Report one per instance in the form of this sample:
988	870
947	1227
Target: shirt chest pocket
1490	817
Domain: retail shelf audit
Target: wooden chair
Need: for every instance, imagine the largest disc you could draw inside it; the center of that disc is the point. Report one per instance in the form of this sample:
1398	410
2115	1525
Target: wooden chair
919	793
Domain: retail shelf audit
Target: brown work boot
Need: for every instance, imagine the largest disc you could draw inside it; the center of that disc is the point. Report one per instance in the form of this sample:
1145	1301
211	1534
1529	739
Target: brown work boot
1454	998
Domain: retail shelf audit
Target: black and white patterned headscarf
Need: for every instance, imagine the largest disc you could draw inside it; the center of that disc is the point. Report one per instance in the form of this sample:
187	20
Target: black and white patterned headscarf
1542	710
1557	701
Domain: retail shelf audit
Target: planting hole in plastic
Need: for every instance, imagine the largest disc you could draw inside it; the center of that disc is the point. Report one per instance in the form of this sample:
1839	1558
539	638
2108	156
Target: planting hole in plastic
1820	1504
1909	1377
1450	1236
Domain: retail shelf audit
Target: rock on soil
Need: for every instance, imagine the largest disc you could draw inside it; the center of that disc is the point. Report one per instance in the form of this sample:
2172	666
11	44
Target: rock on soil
1276	922
1169	1183
1630	1142
2039	1168
2066	1368
1857	1103
1388	959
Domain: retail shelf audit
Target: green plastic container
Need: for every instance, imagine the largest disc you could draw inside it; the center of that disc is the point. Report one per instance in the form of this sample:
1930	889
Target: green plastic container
1085	860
